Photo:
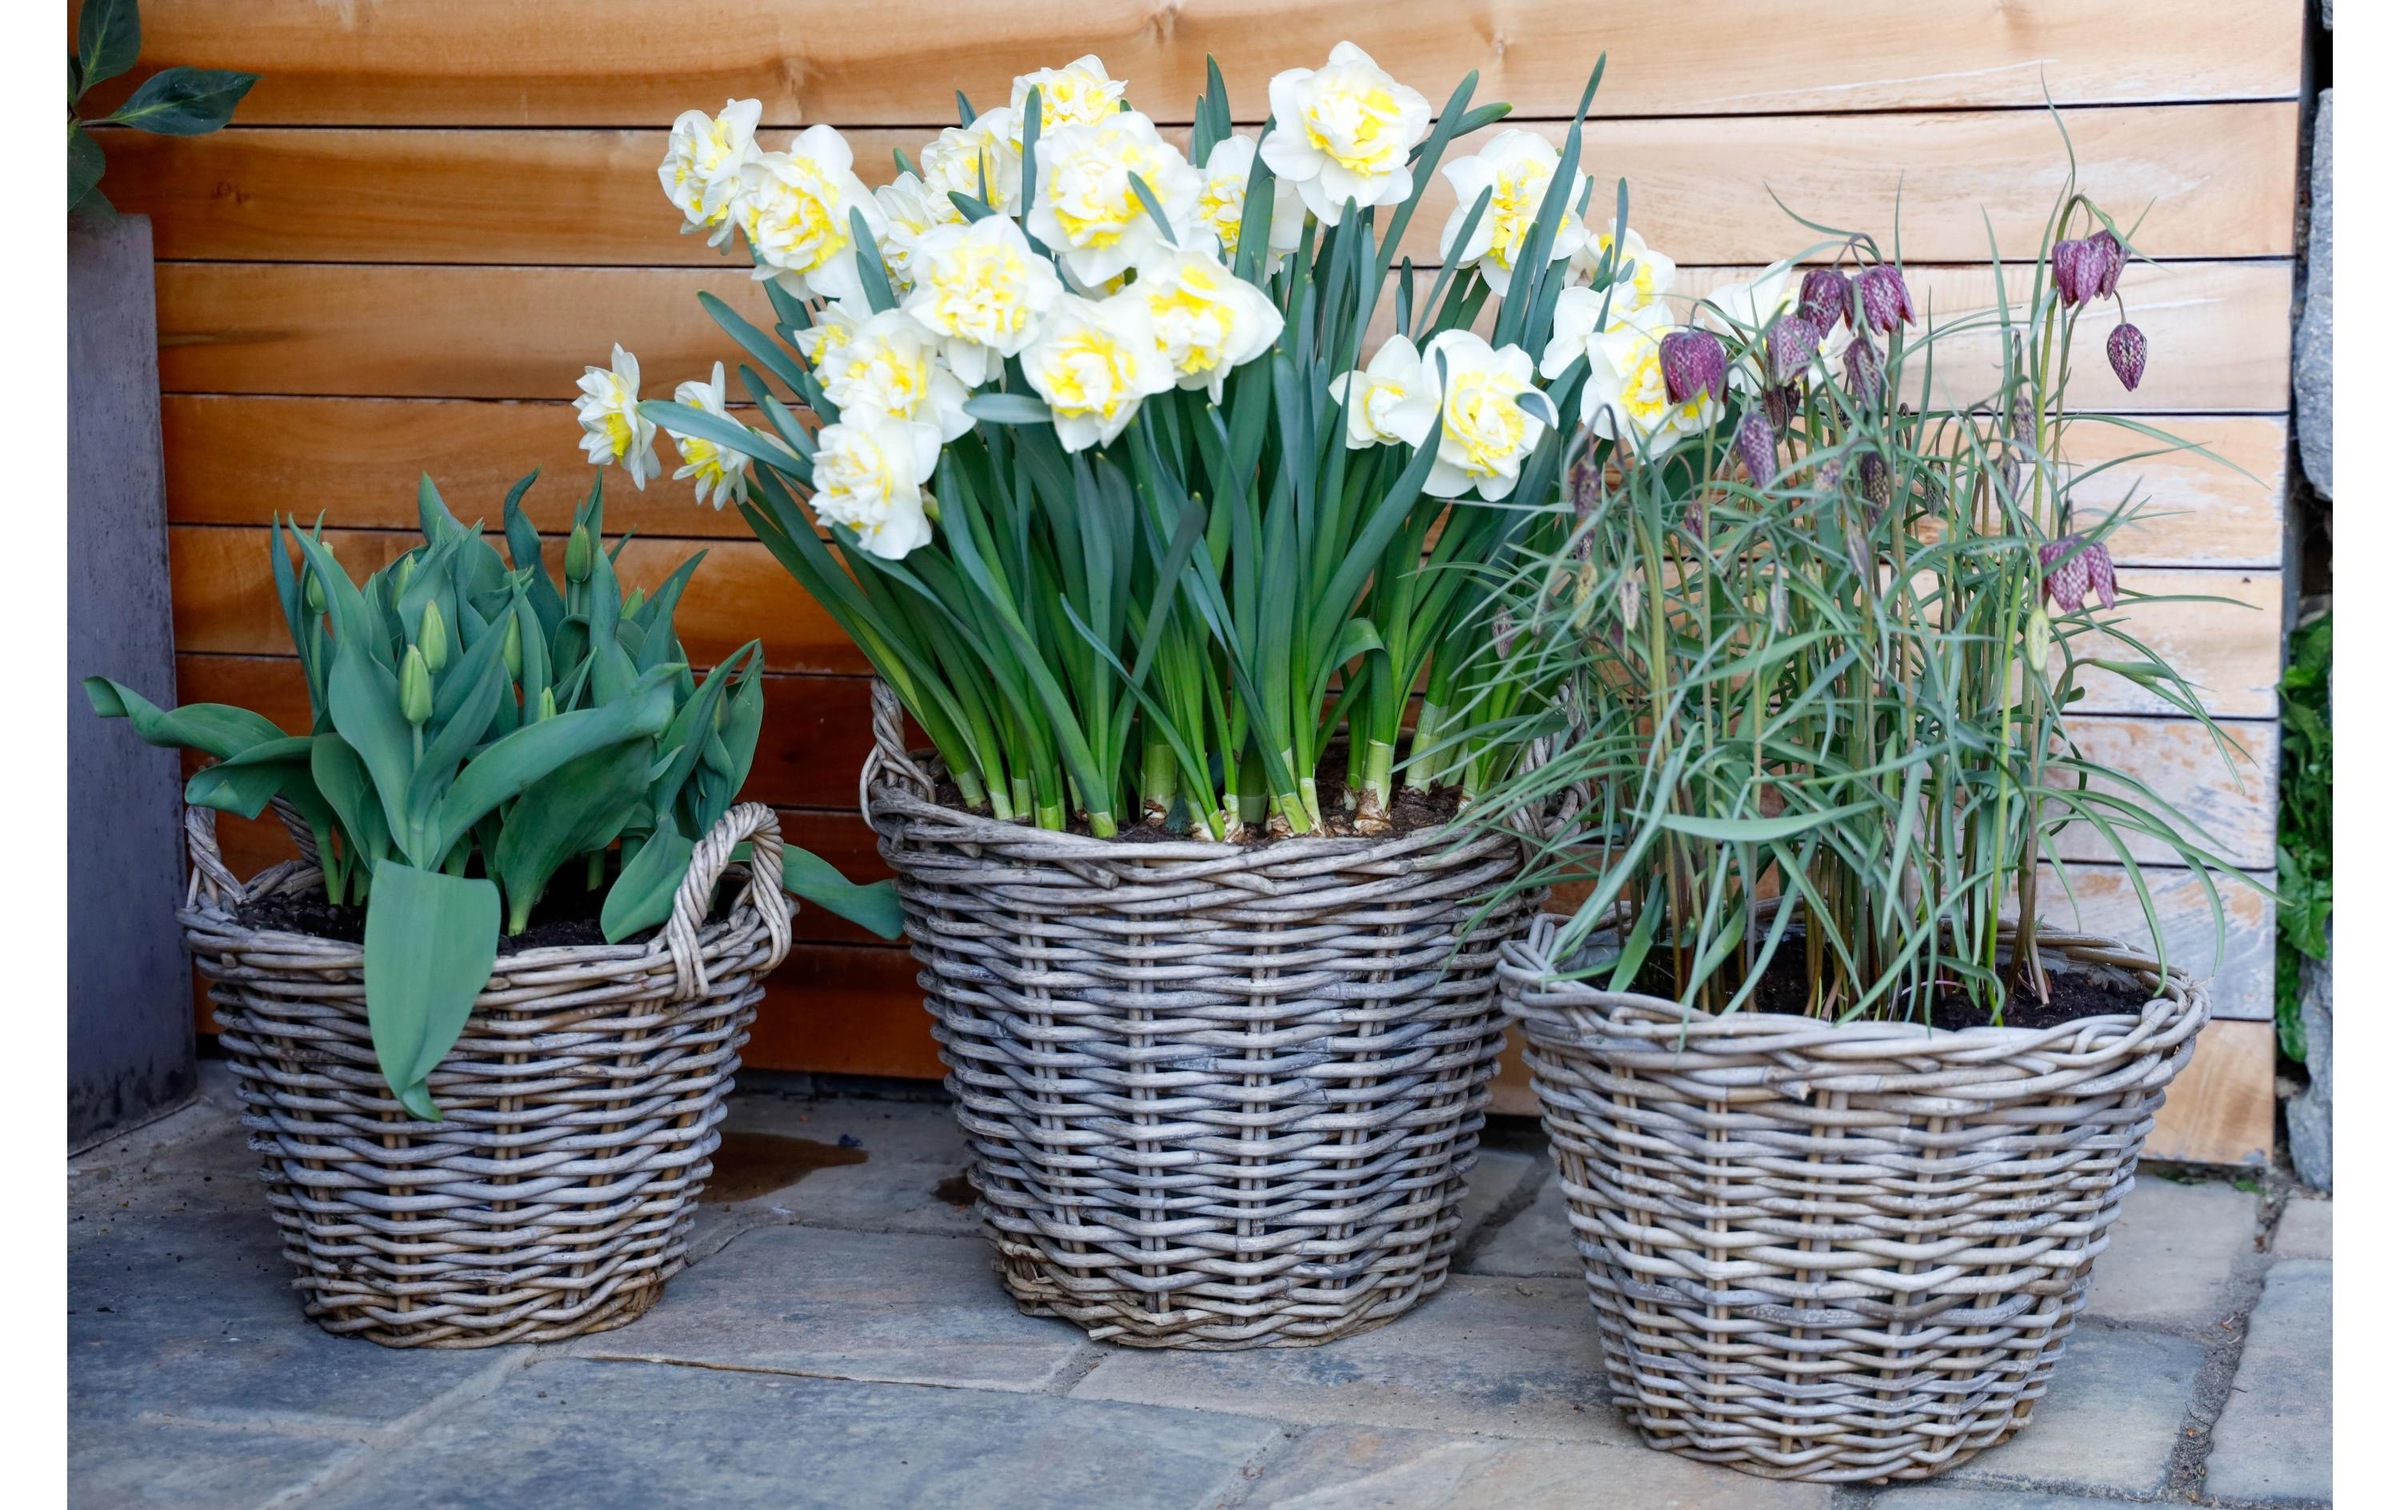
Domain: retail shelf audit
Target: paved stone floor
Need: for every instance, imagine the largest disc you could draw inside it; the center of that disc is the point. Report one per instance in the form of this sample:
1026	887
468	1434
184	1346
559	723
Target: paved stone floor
841	1341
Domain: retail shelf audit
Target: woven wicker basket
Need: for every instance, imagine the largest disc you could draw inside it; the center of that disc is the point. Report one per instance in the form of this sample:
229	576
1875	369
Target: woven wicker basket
1216	1097
1840	1252
579	1108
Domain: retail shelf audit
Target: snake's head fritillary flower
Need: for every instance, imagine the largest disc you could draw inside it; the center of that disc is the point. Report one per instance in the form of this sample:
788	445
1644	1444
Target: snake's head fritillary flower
1874	484
1391	401
1492	415
1883	299
2073	568
1625	398
1693	363
1516	167
2128	352
1825	297
1791	345
2108	260
1343	133
1780	405
2075	268
1862	366
1754	447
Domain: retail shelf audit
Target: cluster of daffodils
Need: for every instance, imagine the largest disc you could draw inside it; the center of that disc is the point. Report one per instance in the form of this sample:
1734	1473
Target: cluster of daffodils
1099	271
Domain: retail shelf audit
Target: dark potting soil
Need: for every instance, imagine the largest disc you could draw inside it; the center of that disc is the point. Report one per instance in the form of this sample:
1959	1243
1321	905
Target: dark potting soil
567	918
1412	808
2076	992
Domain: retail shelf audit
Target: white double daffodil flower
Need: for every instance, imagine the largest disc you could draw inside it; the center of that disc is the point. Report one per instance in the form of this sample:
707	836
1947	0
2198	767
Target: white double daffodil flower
983	291
1625	397
910	209
1343	133
1084	205
1080	94
611	415
1644	276
870	479
795	210
717	472
1208	321
979	160
1093	363
1224	198
1517	168
702	173
1391	401
1492	415
1577	325
890	365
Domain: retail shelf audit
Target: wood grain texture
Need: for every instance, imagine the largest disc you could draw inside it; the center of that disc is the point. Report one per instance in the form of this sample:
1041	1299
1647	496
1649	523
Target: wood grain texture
2221	630
2207	181
2228	793
2219	332
234	459
2221	1109
638	62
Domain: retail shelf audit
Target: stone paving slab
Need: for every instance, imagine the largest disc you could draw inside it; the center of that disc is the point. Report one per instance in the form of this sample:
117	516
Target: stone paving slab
1497	1174
909	1308
2110	1422
2305	1230
911	1181
122	1464
1942	1497
1356	1468
2172	1252
600	1436
1508	1357
192	1316
1536	1241
2274	1441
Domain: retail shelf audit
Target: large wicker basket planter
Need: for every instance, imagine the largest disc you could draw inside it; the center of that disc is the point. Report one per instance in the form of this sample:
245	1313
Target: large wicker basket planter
579	1108
1215	1097
1839	1252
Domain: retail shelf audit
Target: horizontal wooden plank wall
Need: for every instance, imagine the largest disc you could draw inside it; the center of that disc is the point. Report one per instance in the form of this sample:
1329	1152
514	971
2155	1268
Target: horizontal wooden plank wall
435	212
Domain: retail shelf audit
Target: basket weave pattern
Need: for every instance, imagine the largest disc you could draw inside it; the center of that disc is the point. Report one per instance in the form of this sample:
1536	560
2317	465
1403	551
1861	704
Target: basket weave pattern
1215	1097
1840	1252
579	1108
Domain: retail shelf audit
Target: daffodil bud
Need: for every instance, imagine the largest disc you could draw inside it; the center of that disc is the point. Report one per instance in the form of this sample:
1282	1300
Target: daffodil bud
314	594
1693	363
1791	343
512	648
548	707
579	555
1754	447
2128	351
1883	299
1824	298
416	687
433	637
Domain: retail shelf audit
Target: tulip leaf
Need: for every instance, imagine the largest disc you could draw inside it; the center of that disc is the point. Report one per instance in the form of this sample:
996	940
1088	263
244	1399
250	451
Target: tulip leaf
245	783
516	761
85	165
644	892
108	38
874	907
1008	409
211	728
580	807
184	101
342	780
431	942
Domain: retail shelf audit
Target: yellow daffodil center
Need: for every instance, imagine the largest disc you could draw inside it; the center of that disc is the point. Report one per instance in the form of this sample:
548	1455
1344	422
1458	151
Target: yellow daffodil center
1221	209
1352	126
1091	373
619	433
979	293
1638	292
1517	194
1092	192
1075	97
702	457
879	376
1482	416
1379	402
1194	321
792	213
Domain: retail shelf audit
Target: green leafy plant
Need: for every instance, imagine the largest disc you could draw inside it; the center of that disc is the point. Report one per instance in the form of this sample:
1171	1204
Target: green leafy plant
1821	636
2304	825
478	728
171	102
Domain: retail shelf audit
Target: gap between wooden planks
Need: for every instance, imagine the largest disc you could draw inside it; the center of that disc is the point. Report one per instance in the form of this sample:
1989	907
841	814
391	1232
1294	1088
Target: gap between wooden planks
2203	180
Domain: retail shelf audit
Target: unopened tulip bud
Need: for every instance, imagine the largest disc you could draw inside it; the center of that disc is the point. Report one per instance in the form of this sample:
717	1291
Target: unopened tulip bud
633	603
2108	260
1693	363
1791	343
433	637
314	594
1862	364
1883	299
1754	446
547	707
512	648
406	570
579	554
416	687
1824	298
2128	350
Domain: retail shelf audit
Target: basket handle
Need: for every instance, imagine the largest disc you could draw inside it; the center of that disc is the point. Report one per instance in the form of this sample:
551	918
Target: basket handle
890	753
755	823
210	876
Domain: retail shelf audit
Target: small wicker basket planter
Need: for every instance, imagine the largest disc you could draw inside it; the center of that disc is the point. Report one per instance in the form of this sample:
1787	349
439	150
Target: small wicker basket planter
579	1108
1839	1252
1216	1097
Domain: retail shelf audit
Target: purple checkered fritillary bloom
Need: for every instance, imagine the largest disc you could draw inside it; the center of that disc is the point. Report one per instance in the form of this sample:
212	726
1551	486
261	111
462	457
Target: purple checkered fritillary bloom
2128	352
1791	342
2074	569
1693	363
1883	299
1824	298
1862	364
1754	446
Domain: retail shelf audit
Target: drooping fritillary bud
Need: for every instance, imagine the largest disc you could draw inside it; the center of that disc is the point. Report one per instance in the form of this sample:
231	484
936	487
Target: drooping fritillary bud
1883	299
2108	260
433	636
416	687
1791	342
1754	447
1781	404
1862	364
2074	267
2128	350
2020	444
2104	574
1693	363
579	554
1824	298
1875	484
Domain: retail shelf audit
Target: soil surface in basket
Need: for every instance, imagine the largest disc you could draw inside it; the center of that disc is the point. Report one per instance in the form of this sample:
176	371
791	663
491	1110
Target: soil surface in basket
568	917
1413	808
751	1164
2074	994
